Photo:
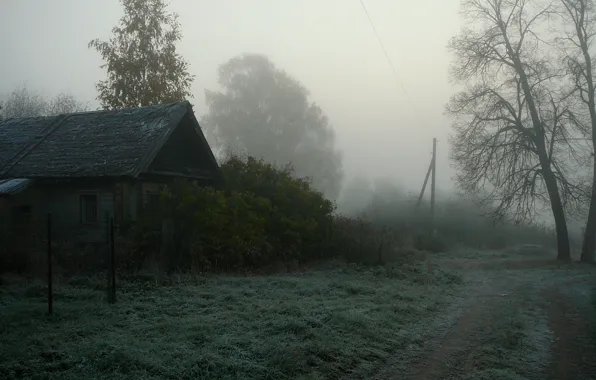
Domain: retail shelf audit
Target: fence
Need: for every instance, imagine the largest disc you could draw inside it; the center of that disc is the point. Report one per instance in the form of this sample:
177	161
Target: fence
111	264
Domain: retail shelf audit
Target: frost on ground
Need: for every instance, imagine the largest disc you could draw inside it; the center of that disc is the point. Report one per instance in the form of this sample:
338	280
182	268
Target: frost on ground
514	323
510	318
318	325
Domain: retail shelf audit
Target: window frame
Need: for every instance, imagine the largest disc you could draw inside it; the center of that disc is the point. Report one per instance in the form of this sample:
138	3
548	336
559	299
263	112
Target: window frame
82	195
150	196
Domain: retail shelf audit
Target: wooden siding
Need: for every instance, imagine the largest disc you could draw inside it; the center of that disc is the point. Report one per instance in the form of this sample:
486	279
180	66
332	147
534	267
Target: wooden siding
150	188
64	204
63	201
124	200
4	223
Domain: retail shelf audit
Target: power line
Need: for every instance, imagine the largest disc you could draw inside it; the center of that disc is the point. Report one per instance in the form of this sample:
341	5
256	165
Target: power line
383	48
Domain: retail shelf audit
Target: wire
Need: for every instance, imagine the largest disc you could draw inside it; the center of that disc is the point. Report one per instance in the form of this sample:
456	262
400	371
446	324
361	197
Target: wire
383	48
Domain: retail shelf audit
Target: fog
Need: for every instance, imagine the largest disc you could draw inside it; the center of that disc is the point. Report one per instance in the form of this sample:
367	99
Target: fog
384	124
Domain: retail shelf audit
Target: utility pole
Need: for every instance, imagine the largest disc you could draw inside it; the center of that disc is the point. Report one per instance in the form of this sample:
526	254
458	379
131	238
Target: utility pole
432	183
432	169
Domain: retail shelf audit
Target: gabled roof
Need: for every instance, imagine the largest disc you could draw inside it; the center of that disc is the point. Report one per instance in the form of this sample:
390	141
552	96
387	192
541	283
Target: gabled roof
109	143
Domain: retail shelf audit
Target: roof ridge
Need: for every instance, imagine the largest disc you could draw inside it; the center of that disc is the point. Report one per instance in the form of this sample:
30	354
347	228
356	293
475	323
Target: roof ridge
164	105
30	145
78	113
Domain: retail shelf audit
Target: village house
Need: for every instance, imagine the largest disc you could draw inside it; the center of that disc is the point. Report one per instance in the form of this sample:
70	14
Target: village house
87	167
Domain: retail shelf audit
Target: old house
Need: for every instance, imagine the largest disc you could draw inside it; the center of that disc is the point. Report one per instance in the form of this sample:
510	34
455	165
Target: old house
86	167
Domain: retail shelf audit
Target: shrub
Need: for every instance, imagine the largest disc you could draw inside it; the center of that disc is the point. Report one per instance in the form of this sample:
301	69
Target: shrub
261	215
300	217
361	241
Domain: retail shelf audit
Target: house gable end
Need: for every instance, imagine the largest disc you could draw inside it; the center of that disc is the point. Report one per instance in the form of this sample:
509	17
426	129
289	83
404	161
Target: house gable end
185	153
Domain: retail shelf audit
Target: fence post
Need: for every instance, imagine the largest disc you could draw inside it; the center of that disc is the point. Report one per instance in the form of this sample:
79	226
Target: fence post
112	261
110	267
50	290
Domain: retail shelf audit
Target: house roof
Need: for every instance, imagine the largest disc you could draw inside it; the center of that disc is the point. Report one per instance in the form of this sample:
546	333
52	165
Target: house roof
13	186
107	143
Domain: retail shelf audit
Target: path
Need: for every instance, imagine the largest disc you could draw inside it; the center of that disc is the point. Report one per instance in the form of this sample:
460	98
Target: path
574	355
516	319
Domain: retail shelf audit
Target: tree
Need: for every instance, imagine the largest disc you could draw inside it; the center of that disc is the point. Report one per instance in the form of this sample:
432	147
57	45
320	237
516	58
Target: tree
266	113
579	16
512	123
23	102
142	64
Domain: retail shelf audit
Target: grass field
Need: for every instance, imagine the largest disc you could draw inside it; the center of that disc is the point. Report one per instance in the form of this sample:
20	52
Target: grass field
324	324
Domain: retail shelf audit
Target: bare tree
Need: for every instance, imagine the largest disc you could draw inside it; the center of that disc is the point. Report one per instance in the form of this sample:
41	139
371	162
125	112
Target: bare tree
578	18
24	102
512	120
65	103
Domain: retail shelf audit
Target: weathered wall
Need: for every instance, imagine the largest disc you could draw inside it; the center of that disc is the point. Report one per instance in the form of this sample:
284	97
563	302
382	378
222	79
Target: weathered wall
22	229
62	200
135	197
35	199
4	223
64	205
149	188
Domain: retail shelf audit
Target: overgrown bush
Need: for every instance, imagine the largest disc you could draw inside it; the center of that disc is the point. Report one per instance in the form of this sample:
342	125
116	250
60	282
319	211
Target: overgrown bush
299	219
260	215
361	241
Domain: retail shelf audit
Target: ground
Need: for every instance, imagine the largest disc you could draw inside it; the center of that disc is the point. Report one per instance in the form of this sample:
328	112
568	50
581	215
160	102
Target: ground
462	315
518	317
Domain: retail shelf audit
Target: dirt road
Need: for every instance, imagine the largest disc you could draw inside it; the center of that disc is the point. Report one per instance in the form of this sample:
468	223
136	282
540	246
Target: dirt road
516	319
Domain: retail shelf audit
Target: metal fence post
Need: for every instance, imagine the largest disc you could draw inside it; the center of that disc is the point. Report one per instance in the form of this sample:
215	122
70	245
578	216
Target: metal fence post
50	290
112	262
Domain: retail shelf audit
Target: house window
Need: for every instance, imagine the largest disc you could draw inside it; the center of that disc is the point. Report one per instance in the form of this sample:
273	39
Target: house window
89	208
153	200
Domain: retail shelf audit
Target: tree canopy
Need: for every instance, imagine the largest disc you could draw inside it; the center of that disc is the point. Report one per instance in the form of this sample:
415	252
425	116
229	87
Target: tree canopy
264	112
142	65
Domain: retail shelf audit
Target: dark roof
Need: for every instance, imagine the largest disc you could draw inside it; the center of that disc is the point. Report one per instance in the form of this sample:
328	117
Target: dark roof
13	186
109	143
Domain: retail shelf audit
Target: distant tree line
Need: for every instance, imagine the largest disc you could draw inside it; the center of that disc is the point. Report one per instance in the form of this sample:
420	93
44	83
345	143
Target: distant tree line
26	102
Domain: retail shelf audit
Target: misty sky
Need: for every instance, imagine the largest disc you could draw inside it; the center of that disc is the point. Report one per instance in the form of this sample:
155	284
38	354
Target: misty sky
326	44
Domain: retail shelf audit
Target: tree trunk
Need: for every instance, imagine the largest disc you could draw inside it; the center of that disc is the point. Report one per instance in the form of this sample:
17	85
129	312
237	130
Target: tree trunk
589	243
580	22
563	251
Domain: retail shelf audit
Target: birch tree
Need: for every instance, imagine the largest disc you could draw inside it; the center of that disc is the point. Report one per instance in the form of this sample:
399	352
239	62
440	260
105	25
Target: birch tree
141	61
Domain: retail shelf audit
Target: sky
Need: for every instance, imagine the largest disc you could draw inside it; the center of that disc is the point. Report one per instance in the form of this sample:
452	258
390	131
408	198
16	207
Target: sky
384	123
